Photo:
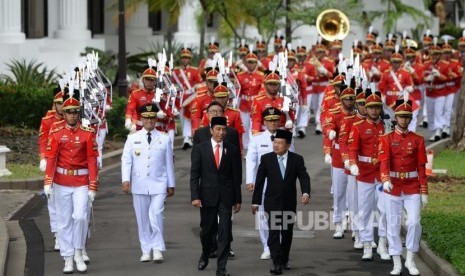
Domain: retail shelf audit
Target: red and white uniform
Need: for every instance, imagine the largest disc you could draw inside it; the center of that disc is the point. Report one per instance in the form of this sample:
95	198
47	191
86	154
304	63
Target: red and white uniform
167	124
436	91
233	119
199	107
136	100
403	159
259	105
45	126
319	86
392	86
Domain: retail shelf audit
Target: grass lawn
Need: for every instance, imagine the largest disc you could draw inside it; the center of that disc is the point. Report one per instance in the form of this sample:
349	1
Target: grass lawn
22	171
443	220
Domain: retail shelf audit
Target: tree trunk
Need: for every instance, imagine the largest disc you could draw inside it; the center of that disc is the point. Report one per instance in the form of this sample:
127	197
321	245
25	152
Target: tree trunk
203	28
288	22
458	135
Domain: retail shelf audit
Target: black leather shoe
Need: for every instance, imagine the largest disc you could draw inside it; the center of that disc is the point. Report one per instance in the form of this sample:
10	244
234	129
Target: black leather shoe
202	264
213	255
286	266
222	273
276	270
425	124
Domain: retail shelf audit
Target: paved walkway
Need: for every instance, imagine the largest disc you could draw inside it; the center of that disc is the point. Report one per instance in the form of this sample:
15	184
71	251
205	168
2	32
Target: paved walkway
114	246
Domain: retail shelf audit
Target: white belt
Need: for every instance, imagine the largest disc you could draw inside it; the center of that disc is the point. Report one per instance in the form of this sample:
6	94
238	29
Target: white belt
450	83
247	98
416	87
437	86
321	83
73	172
402	175
393	93
367	159
309	88
336	145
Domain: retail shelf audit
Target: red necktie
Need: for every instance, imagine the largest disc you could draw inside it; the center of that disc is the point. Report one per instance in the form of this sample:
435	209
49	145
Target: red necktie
217	156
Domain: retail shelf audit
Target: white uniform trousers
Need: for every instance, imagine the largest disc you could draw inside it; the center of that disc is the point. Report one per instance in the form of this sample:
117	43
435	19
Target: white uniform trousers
186	127
366	193
435	109
247	123
381	205
72	224
423	101
413	124
448	108
339	181
102	133
394	209
149	214
352	201
304	115
317	99
52	211
263	225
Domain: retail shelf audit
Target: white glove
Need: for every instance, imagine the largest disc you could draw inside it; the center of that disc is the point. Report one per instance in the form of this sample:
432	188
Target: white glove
107	107
435	72
374	70
331	135
42	165
128	124
424	200
429	78
161	115
303	108
347	164
132	129
175	113
92	195
322	70
354	170
328	159
387	186
48	190
288	124
409	89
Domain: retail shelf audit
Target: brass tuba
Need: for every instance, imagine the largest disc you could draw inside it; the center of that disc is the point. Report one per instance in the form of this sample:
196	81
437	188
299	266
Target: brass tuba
332	25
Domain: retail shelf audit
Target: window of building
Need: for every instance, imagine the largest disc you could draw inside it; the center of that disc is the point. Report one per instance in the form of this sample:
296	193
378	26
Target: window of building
34	18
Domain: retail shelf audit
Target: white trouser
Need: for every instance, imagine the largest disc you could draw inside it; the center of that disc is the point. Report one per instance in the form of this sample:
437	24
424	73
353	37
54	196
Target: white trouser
435	108
352	201
413	124
247	123
72	224
366	193
339	181
186	127
102	133
423	101
263	225
448	107
149	215
304	115
394	208
317	99
52	211
381	205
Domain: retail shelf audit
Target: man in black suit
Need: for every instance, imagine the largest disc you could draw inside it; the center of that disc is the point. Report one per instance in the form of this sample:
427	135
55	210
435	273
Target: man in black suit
215	109
216	177
280	168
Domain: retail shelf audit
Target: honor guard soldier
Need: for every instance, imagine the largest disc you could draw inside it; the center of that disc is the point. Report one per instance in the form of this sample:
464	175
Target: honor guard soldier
147	172
277	45
436	76
46	124
203	99
402	156
270	99
243	50
298	76
416	71
363	156
250	81
260	144
71	176
325	70
344	132
209	62
140	98
190	78
332	127
233	116
263	61
394	83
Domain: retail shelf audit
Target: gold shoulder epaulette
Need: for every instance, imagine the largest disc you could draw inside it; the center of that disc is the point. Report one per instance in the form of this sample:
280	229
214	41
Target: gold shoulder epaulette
260	97
53	130
358	123
87	128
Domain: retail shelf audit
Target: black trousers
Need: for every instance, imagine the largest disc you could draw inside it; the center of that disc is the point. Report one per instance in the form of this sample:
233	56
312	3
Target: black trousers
280	225
208	222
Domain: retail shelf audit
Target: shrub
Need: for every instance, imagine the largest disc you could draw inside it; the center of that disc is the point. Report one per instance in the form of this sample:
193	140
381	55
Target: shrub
24	106
29	74
115	118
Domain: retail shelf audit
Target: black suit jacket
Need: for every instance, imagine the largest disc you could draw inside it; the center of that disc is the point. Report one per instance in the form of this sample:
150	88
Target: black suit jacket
204	134
210	184
280	194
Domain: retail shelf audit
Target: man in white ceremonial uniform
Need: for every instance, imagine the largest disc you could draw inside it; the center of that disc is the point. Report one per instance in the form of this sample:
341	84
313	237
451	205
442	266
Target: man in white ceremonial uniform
260	144
148	172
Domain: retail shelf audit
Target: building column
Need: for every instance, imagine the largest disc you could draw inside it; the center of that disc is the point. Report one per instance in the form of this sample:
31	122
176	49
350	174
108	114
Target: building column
10	22
188	32
138	23
72	20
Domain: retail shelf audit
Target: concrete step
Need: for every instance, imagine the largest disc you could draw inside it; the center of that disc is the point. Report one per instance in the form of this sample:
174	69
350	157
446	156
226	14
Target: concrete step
17	249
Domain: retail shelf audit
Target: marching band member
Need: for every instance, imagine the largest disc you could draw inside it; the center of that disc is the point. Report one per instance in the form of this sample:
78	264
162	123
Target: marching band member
263	61
402	156
298	76
209	62
204	98
416	71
